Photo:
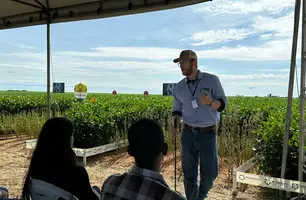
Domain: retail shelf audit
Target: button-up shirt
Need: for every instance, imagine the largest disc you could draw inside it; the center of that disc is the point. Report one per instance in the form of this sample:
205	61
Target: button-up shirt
187	91
138	184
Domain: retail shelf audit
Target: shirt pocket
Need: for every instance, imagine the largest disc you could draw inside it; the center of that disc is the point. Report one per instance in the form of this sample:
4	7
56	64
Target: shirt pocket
206	90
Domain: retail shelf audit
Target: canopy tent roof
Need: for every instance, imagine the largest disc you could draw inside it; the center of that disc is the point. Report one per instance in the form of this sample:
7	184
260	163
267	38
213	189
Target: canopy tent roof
21	13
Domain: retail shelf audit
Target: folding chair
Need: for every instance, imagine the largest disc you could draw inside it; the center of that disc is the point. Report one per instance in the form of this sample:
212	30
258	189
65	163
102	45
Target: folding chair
41	190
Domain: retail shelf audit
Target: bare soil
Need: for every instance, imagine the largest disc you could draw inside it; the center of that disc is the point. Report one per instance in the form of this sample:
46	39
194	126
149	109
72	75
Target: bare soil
14	160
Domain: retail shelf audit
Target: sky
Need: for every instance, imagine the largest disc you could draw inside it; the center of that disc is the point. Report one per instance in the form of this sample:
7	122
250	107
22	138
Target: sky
247	44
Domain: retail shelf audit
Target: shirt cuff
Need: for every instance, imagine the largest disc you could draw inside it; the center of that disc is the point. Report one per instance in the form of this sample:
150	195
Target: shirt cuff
179	113
222	105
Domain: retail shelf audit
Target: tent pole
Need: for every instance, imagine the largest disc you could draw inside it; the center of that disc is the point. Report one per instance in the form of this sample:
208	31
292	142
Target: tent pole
48	68
302	100
290	87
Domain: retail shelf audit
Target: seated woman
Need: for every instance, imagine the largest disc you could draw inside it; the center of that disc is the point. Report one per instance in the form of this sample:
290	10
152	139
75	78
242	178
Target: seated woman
54	162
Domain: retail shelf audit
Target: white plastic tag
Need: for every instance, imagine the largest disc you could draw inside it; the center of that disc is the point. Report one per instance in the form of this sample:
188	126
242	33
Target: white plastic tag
194	103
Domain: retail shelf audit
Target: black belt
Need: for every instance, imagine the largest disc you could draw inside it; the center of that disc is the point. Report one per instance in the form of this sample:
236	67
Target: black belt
207	129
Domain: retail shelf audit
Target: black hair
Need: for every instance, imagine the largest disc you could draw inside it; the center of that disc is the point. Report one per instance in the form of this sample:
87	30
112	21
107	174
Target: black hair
53	153
146	142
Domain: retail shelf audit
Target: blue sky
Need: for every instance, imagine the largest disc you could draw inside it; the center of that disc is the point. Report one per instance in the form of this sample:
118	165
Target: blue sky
247	44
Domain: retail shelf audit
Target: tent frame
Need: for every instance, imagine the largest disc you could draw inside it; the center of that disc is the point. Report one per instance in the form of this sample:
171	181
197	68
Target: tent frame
48	61
47	11
283	184
301	164
46	15
291	83
86	11
302	97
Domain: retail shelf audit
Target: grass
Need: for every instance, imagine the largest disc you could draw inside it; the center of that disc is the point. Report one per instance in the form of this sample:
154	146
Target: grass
23	124
232	148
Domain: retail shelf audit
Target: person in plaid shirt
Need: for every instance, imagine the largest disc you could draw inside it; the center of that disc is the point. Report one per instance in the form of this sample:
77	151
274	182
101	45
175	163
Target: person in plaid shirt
143	181
3	193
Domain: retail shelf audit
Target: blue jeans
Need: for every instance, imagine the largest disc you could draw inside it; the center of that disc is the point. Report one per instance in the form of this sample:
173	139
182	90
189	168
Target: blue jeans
195	146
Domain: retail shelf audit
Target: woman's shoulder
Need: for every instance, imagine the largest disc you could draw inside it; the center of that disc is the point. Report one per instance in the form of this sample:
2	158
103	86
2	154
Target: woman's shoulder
80	168
81	171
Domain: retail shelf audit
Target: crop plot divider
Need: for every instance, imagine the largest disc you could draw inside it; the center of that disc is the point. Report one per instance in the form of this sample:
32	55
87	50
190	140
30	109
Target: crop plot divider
240	175
85	153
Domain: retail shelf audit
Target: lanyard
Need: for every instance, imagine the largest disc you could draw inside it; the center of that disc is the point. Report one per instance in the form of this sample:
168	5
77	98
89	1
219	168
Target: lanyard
193	93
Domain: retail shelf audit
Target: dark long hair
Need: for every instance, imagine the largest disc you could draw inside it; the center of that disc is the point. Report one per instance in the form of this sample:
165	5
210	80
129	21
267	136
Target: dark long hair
53	154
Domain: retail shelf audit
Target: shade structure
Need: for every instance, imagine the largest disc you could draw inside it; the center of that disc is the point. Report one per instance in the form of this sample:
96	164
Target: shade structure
21	13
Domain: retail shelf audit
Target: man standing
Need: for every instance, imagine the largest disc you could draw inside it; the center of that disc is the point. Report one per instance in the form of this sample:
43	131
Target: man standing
198	99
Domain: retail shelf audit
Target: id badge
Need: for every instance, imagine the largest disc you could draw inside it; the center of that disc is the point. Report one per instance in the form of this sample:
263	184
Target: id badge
194	103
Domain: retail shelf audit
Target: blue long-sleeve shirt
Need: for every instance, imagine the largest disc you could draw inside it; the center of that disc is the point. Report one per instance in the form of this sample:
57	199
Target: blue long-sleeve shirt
203	115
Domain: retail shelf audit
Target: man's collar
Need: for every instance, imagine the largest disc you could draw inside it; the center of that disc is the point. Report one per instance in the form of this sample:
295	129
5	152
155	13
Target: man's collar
200	76
149	174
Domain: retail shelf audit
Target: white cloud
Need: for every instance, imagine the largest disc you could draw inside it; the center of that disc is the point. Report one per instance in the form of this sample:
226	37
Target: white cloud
99	75
252	76
267	28
271	50
274	70
22	46
275	36
39	57
259	88
244	6
274	31
219	36
255	84
266	36
148	53
103	76
280	27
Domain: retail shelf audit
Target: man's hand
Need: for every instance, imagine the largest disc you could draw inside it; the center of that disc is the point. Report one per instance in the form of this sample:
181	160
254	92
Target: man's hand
205	100
216	105
174	123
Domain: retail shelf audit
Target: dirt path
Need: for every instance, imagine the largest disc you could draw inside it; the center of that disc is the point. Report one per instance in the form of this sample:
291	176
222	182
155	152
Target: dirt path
14	160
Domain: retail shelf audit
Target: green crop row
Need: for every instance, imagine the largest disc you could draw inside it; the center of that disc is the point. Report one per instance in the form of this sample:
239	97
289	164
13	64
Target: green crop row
247	124
26	102
109	116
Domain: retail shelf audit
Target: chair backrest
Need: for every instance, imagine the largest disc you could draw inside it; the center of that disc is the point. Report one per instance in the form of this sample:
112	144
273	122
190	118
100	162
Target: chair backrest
41	190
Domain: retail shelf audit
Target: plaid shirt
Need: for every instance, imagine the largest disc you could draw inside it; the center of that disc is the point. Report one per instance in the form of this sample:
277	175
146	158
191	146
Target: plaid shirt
138	184
3	193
